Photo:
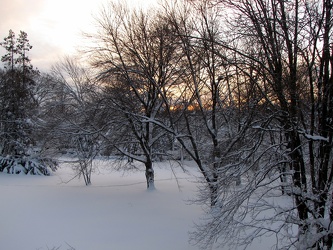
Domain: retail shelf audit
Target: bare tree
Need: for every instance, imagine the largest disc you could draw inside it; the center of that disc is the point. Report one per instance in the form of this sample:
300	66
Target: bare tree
74	116
288	46
135	57
214	119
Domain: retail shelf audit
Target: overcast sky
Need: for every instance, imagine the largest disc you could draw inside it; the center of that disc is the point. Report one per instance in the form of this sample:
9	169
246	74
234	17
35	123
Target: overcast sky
54	27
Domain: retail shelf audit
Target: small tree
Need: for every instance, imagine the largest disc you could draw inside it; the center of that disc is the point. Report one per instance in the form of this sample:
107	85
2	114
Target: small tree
74	115
86	147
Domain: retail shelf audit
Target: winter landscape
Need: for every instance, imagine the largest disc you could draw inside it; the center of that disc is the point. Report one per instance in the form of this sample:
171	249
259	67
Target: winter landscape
182	125
114	212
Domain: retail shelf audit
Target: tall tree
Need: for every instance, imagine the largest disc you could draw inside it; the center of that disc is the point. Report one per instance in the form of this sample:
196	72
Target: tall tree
288	46
214	118
18	106
17	94
135	58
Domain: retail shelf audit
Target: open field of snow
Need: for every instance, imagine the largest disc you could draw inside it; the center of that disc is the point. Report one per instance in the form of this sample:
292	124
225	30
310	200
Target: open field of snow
115	213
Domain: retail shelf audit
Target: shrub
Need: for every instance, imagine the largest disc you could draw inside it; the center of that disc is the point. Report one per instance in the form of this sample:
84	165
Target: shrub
26	165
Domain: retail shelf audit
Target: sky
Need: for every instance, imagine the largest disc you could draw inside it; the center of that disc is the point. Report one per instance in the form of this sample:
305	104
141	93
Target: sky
54	27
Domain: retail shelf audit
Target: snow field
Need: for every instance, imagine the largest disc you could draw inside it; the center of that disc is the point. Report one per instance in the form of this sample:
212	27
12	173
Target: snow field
115	212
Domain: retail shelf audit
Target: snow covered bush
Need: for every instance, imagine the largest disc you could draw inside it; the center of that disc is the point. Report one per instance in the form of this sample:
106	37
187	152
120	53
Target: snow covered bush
26	165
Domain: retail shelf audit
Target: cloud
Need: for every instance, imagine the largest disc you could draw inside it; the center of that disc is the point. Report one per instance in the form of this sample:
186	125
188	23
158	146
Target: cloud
54	27
19	15
16	14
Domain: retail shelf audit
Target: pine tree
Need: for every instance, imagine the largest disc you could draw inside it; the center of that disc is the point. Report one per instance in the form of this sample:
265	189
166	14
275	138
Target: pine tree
16	94
16	85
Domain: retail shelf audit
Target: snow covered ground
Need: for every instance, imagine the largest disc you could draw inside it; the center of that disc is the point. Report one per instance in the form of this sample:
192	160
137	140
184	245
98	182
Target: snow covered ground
115	213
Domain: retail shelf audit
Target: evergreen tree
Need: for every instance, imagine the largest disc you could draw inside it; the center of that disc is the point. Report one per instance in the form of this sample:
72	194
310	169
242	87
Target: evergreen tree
17	104
16	94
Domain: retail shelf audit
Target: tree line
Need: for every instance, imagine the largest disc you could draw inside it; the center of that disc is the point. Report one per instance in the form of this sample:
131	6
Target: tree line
243	88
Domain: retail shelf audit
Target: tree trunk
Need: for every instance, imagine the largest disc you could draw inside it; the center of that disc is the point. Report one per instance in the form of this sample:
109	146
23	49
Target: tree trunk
299	177
213	187
150	175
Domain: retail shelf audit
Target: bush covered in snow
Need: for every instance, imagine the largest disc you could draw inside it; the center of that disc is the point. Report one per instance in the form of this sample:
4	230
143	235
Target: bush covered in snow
26	165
